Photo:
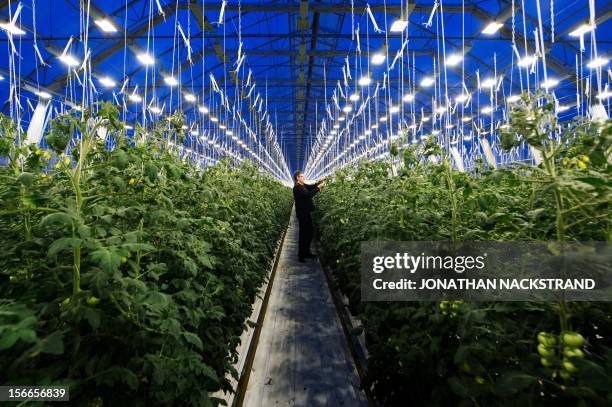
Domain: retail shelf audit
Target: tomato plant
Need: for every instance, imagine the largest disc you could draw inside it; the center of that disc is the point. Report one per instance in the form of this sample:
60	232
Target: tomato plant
128	274
480	353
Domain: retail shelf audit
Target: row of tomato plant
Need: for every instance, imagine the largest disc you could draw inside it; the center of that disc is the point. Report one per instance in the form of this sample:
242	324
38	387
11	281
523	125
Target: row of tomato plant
127	274
469	353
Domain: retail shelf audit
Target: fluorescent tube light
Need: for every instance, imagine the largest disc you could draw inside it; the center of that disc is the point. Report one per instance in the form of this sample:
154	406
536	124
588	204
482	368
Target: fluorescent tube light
69	60
597	62
107	82
527	61
513	98
106	25
145	59
43	95
398	25
427	81
408	97
11	28
453	59
581	30
492	28
170	80
364	81
550	83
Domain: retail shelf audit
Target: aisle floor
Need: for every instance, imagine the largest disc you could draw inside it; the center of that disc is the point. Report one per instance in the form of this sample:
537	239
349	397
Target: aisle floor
302	358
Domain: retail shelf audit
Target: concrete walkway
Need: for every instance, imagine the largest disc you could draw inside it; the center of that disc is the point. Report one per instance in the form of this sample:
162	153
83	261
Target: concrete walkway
302	358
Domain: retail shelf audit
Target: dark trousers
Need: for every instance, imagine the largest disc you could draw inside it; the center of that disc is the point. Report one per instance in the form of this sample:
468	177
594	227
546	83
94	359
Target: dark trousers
306	231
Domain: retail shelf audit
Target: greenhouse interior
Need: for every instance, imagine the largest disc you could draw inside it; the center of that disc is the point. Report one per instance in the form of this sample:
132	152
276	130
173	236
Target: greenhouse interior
306	203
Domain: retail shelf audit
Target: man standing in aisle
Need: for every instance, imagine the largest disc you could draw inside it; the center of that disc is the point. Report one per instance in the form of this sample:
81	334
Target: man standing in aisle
302	194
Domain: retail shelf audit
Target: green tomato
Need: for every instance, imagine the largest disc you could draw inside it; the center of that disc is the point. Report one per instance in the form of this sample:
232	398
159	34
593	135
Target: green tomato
547	339
93	300
66	301
545	351
569	366
573	353
573	339
123	259
479	380
545	362
565	375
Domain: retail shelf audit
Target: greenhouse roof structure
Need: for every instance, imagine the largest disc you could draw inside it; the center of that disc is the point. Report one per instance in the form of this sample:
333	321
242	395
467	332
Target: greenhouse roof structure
304	67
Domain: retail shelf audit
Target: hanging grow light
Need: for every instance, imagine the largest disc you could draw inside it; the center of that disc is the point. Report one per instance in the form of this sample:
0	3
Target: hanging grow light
213	119
513	98
462	98
394	109
383	119
527	61
145	58
408	97
203	109
597	63
190	97
170	80
604	95
341	118
550	83
107	82
68	60
467	119
581	30
563	108
399	25
222	127
354	97
427	81
364	81
486	110
106	25
453	59
43	95
488	83
135	98
378	58
155	110
347	108
11	28
492	28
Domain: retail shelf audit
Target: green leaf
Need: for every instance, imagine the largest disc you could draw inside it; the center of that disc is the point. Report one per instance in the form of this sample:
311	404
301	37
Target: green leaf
92	316
193	339
61	244
8	338
106	258
53	344
61	218
513	382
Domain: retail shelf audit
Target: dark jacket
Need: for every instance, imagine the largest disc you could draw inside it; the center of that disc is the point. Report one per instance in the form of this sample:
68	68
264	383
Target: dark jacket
303	198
